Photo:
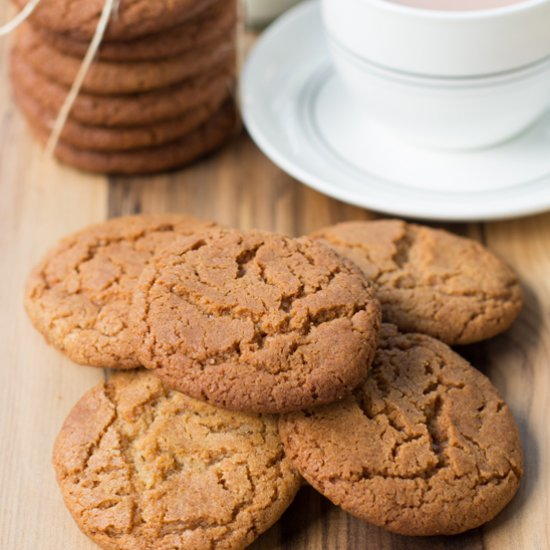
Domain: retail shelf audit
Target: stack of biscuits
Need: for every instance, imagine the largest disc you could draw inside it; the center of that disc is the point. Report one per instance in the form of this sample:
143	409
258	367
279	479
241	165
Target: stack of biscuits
158	95
269	360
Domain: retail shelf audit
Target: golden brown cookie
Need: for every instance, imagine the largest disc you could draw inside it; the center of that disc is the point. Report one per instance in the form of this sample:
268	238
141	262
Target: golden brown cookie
426	446
102	138
429	280
108	78
202	141
255	321
123	110
207	27
131	18
78	296
143	467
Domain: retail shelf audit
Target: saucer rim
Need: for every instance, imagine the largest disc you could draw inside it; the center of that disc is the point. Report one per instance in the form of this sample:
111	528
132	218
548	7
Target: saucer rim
286	162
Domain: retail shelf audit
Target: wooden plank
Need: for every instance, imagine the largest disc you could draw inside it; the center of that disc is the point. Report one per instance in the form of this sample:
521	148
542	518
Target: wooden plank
40	201
518	363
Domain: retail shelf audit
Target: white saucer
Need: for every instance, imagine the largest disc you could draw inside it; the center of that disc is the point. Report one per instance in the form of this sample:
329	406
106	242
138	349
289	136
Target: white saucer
299	114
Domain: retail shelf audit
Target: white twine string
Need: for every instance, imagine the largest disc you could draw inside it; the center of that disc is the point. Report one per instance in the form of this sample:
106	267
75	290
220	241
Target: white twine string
10	26
63	115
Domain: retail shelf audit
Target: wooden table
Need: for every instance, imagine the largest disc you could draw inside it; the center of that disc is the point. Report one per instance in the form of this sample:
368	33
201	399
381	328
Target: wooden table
41	201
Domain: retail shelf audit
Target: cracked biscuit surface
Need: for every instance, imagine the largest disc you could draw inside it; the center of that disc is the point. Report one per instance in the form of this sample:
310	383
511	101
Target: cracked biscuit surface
255	321
79	296
130	18
99	138
425	446
212	134
429	280
110	78
142	467
122	111
218	20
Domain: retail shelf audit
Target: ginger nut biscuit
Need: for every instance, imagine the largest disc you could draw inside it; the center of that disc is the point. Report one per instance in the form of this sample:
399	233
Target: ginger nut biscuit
142	467
78	297
426	446
255	321
429	280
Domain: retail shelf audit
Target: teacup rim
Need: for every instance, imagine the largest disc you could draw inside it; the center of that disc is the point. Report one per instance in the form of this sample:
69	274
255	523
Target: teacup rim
494	12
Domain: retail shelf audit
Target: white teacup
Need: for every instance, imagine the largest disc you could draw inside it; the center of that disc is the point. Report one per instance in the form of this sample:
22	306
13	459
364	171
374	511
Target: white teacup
445	79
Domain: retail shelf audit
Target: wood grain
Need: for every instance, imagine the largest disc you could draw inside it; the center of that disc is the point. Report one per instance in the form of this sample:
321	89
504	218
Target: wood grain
41	201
